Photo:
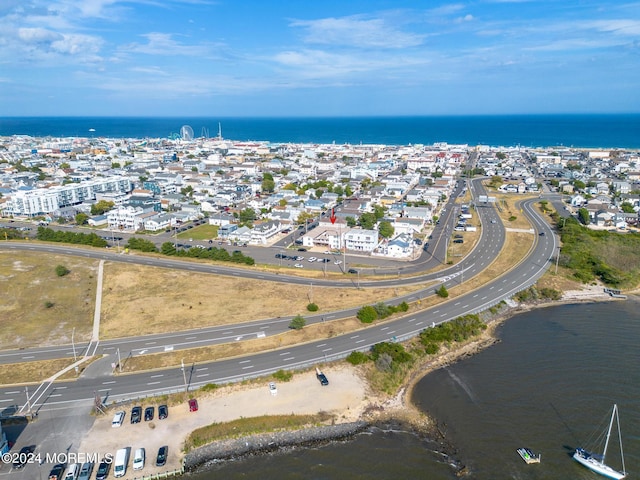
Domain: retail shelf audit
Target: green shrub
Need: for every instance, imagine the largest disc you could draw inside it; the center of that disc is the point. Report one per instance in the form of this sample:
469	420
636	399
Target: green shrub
442	291
283	375
357	358
367	314
297	322
209	387
48	304
61	270
312	307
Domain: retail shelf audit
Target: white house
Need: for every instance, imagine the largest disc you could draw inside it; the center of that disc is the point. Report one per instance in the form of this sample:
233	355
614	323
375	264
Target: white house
358	239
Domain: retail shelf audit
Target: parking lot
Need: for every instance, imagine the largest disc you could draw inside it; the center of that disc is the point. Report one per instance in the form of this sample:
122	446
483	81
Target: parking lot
345	394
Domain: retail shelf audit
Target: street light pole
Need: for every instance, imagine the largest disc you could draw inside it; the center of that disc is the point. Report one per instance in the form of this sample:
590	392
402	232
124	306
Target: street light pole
184	377
119	361
73	344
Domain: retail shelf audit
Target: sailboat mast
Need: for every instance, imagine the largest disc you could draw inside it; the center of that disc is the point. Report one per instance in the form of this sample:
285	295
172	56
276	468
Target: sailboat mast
606	443
624	469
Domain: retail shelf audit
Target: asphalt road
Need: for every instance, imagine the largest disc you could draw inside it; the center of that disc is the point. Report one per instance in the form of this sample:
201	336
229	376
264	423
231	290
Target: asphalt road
137	385
490	243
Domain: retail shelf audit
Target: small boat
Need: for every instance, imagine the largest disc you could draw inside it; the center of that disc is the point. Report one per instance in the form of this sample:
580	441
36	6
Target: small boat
528	456
596	461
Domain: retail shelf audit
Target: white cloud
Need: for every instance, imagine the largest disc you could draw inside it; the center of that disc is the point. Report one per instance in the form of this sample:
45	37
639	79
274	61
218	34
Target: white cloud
164	44
37	35
357	31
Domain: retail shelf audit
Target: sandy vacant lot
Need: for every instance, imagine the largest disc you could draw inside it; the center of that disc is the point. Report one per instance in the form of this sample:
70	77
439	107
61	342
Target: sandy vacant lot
346	395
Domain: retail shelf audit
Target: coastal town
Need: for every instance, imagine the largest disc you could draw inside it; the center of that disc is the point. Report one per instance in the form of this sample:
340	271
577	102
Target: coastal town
377	200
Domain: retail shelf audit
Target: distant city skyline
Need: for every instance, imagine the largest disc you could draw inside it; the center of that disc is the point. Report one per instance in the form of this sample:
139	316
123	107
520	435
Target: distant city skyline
331	58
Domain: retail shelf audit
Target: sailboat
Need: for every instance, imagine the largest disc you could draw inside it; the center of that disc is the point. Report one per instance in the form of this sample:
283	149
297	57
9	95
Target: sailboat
596	461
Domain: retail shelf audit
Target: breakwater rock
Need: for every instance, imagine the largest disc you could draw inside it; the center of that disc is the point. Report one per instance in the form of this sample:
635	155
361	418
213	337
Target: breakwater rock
267	442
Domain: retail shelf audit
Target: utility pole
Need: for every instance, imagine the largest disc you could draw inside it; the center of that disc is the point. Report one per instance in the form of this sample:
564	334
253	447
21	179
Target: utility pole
73	344
26	391
184	376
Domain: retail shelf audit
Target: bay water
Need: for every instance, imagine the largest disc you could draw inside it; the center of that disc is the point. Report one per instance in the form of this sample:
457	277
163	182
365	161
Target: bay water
549	384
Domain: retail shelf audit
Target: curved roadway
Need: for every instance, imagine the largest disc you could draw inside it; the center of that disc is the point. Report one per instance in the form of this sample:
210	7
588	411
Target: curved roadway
122	387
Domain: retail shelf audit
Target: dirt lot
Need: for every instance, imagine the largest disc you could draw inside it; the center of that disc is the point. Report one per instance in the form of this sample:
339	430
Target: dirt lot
346	395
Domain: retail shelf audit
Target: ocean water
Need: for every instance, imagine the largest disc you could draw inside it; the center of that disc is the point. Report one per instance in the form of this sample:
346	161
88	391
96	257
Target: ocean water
548	385
592	131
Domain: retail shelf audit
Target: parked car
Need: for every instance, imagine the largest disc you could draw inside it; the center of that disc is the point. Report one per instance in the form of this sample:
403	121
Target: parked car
72	472
352	270
163	412
23	457
118	418
56	472
273	389
148	413
322	378
136	414
193	405
138	459
85	471
458	240
103	470
161	458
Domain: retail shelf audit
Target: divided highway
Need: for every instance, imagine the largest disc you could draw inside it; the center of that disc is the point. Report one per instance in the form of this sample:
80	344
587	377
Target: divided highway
120	387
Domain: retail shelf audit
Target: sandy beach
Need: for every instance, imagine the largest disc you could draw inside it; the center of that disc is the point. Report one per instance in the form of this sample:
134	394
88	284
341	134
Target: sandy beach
348	397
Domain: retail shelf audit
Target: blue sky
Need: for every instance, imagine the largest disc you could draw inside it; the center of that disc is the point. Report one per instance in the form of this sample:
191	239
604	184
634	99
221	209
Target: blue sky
318	58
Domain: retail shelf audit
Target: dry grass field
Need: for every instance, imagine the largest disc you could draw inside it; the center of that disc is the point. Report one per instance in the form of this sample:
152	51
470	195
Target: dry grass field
139	299
38	307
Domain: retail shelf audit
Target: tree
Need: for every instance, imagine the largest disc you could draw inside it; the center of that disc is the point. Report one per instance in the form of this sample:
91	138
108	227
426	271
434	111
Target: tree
627	207
367	220
348	191
115	164
583	216
297	322
268	184
187	191
385	229
378	211
351	222
99	208
81	218
304	217
442	291
247	216
579	184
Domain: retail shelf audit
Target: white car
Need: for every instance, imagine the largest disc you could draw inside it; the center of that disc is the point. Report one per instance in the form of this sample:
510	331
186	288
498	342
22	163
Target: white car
338	262
327	252
299	265
312	259
273	389
118	418
138	459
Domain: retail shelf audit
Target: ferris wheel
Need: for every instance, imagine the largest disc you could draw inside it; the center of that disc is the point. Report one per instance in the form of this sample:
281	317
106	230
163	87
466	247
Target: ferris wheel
186	133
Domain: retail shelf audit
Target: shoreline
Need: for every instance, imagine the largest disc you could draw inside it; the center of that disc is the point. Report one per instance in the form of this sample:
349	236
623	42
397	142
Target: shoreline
380	411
